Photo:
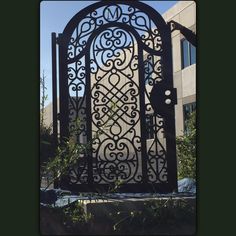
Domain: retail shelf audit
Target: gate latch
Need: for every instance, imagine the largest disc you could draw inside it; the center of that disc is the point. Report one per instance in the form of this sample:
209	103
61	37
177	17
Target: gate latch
162	98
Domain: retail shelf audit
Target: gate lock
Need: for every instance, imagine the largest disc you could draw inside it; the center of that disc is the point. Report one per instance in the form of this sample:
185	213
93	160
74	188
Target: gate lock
162	98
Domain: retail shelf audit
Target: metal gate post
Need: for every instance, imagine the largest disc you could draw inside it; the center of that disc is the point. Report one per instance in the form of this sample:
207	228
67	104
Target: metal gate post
54	88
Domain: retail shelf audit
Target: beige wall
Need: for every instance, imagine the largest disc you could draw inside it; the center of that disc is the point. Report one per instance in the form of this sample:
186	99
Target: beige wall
48	115
184	12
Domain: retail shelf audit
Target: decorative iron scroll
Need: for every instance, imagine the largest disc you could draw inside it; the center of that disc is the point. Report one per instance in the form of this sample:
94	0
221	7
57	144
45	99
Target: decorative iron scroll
124	14
114	55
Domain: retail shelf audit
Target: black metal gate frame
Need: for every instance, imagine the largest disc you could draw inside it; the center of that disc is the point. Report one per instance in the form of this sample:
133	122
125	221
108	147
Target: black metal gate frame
157	97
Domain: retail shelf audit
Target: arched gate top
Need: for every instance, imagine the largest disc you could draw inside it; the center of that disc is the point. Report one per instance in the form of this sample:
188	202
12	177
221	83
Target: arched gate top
153	31
138	147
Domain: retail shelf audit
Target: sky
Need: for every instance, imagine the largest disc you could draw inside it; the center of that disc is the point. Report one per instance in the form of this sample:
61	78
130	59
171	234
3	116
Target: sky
54	15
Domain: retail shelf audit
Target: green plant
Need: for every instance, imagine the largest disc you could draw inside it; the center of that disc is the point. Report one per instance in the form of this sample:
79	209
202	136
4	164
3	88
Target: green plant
43	99
75	217
46	137
68	153
186	150
46	145
65	158
154	216
67	220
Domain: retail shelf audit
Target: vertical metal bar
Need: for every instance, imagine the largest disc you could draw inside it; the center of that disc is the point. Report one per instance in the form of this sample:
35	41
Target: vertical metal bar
63	89
54	88
88	115
142	115
64	100
170	120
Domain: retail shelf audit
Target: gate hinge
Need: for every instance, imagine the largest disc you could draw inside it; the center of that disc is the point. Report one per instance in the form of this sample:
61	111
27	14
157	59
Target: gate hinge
187	33
58	116
58	39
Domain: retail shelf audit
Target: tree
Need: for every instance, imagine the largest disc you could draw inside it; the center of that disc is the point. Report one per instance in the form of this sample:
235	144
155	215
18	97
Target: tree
46	138
43	98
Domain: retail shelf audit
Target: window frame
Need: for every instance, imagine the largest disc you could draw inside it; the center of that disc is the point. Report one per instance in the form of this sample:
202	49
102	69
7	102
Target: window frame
189	53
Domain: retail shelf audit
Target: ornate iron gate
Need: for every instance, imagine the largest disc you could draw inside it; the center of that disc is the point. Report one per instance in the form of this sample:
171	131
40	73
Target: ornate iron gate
115	76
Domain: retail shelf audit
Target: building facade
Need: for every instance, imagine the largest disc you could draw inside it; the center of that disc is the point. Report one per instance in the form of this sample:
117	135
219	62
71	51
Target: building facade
110	96
184	61
184	66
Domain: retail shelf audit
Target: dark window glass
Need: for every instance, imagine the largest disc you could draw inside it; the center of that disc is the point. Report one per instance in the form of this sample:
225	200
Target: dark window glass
188	53
149	126
185	54
193	54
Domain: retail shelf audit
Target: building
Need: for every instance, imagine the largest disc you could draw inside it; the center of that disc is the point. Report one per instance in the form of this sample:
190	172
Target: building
184	65
184	61
133	140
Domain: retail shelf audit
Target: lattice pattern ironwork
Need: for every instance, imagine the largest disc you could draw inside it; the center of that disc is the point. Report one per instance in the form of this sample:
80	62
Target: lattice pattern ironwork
112	56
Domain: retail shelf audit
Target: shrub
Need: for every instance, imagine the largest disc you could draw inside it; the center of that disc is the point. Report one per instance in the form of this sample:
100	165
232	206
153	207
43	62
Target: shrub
186	150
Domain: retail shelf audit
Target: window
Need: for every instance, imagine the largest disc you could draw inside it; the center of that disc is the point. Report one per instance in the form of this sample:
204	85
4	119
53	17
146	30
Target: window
188	109
149	126
188	53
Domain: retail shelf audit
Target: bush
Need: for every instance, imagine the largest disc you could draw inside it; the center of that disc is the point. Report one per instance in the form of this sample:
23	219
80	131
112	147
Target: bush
186	150
46	144
47	149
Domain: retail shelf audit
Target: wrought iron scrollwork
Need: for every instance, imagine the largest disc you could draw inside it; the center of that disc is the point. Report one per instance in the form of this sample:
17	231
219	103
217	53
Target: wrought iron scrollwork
125	14
115	57
115	96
